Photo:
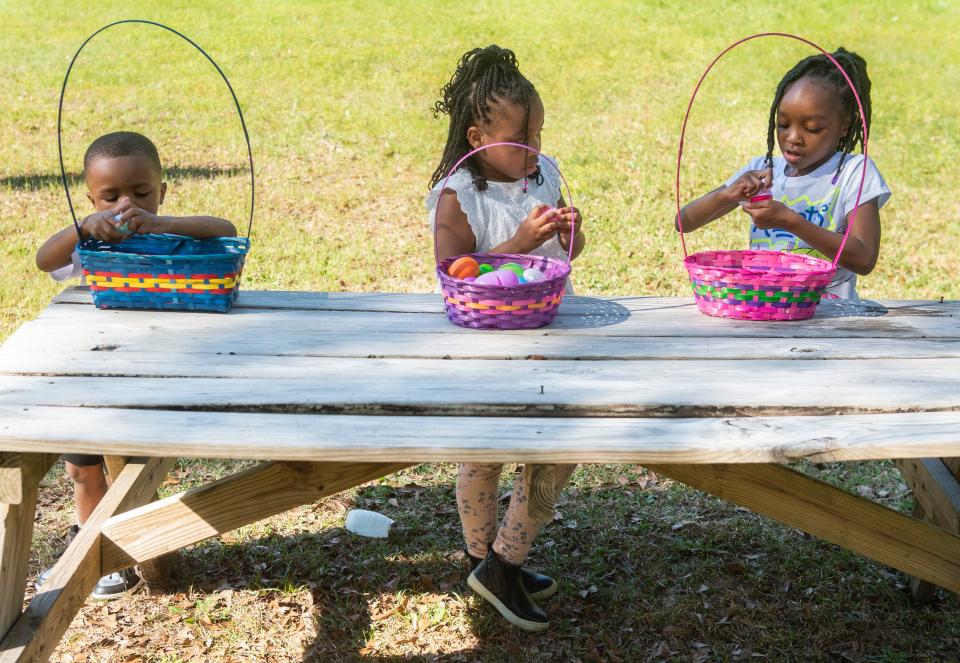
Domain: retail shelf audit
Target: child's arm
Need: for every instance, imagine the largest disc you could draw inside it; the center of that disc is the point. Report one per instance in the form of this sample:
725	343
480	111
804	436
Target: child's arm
200	227
56	252
454	236
722	200
861	250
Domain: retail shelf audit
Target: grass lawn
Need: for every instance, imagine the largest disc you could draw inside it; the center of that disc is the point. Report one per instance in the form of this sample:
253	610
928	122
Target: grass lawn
337	97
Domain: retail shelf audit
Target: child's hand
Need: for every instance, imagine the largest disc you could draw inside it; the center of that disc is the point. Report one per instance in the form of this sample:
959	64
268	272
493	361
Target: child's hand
101	225
767	214
139	220
566	216
539	226
748	185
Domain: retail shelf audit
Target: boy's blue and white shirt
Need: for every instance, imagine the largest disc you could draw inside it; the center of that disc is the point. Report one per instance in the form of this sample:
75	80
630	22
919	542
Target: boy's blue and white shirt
816	198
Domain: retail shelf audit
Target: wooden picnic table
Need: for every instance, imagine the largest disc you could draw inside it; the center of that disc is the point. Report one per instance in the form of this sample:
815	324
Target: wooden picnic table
334	389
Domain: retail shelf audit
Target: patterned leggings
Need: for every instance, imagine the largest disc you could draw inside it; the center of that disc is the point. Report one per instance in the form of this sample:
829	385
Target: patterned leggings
477	500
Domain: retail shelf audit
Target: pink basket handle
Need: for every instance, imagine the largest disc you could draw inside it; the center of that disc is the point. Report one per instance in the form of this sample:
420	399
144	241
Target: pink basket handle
453	169
863	119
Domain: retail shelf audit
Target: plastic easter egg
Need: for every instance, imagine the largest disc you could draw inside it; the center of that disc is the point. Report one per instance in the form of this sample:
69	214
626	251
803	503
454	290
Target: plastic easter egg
470	279
463	267
513	267
485	268
507	277
490	278
533	275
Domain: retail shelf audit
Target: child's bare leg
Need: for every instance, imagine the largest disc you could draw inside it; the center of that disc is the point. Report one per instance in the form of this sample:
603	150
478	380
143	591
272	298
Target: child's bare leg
518	529
89	487
477	501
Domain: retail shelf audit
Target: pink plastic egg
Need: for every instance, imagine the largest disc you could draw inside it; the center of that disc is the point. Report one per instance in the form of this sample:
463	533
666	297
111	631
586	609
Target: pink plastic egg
490	278
507	277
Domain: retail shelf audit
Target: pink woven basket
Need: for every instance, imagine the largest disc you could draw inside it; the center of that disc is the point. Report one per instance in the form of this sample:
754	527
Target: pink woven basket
523	306
761	285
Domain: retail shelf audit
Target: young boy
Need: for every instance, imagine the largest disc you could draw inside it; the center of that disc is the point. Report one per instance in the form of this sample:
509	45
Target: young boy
125	184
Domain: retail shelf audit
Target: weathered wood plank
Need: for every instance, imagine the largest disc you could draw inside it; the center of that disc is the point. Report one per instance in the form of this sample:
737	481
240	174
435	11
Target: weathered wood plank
551	388
935	489
848	520
415	439
936	493
598	318
16	529
259	492
38	630
19	473
294	354
156	572
575	305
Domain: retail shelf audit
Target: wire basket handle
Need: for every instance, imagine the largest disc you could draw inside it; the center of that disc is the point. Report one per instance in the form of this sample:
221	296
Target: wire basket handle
63	90
863	120
453	169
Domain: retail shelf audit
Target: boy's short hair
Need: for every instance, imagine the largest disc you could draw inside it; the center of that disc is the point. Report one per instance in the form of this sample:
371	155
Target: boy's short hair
122	144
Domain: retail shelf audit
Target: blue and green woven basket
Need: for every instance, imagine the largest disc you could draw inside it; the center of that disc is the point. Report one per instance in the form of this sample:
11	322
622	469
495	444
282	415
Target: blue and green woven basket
162	271
165	272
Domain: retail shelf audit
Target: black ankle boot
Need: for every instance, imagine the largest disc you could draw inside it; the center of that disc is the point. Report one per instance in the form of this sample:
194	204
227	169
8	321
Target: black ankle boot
538	586
499	582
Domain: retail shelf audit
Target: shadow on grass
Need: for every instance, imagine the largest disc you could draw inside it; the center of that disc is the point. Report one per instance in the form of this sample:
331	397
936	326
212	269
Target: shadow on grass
37	181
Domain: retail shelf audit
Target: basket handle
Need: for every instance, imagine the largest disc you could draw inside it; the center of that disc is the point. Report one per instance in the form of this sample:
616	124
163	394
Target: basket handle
63	90
863	119
453	169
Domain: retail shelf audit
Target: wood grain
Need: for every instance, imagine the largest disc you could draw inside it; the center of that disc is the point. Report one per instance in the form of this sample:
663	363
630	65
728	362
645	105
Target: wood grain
508	439
549	388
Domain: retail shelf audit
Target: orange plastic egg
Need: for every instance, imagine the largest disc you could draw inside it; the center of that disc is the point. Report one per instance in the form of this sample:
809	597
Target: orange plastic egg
463	267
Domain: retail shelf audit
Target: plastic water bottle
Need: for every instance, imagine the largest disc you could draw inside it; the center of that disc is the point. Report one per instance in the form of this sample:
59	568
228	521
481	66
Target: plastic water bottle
368	523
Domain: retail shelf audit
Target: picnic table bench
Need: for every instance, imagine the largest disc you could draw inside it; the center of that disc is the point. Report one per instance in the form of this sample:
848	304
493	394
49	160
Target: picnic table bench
331	390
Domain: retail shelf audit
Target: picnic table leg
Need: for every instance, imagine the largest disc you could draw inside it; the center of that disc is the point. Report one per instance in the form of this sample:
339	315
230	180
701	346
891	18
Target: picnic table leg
36	632
936	491
858	524
20	476
156	573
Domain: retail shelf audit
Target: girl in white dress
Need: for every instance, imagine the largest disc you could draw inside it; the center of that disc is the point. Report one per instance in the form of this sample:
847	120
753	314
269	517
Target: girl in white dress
501	200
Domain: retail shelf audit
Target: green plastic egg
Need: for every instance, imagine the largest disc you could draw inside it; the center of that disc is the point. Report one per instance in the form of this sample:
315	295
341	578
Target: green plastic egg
513	267
484	268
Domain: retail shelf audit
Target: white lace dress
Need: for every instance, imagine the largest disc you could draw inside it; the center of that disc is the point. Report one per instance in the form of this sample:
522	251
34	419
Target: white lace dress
495	213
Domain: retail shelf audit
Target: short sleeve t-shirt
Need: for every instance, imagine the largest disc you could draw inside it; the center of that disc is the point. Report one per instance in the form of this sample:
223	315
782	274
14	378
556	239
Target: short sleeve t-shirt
72	270
821	201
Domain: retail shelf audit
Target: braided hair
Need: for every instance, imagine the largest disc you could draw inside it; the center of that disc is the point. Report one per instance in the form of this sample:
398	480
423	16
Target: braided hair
484	78
820	68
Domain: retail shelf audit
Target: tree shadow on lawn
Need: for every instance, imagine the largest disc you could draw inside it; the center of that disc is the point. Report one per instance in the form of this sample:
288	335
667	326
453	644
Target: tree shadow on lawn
645	574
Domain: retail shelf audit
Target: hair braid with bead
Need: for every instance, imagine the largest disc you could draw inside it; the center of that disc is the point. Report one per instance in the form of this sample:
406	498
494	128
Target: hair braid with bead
484	77
820	68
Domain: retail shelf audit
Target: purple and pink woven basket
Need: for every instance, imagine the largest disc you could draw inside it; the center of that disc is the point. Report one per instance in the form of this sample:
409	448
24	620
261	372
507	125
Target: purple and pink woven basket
761	285
523	306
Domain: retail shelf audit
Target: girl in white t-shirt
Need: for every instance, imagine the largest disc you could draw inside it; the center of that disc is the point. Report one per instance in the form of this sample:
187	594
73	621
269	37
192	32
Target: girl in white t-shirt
814	184
502	200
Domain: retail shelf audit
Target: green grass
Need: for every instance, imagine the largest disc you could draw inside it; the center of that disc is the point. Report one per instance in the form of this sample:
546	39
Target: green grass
338	97
648	570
